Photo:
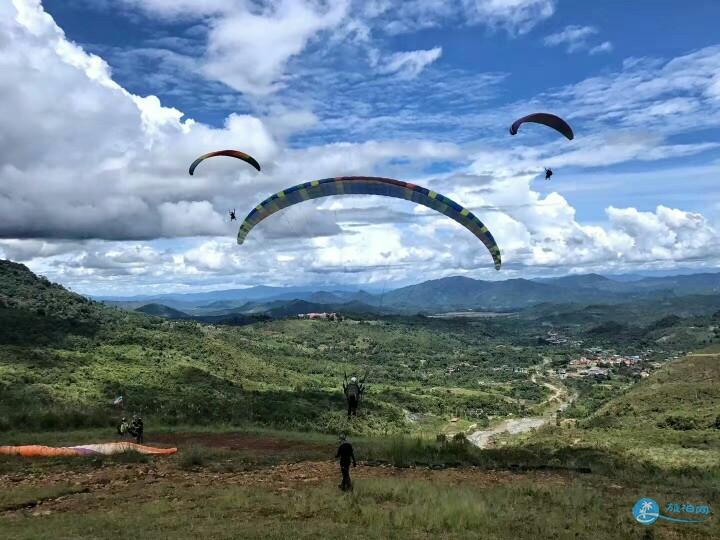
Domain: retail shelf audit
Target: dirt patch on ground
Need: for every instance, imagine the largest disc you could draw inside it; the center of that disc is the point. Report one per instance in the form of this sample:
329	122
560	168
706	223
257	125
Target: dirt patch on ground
233	441
95	488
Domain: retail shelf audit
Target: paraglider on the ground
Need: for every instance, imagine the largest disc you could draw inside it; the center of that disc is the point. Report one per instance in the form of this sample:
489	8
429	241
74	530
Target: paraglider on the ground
547	119
548	173
105	449
370	185
247	158
353	391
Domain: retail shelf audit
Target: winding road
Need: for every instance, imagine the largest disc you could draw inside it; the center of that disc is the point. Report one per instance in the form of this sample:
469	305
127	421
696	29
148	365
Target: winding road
560	399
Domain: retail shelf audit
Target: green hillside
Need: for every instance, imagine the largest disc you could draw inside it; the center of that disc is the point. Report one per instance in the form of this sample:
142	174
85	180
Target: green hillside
684	396
161	310
669	421
64	358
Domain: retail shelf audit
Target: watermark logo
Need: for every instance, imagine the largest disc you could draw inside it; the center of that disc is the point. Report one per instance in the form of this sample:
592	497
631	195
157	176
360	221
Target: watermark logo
647	511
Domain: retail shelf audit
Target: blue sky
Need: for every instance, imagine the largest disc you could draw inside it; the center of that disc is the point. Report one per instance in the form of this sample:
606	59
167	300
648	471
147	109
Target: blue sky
417	90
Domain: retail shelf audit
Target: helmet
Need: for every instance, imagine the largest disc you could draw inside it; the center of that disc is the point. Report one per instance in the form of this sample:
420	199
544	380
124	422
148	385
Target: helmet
353	379
343	437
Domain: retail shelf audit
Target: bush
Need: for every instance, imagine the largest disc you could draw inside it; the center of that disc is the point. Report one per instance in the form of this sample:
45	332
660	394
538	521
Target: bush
460	438
680	423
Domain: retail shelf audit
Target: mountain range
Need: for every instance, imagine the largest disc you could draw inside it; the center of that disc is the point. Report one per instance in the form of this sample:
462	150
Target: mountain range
456	293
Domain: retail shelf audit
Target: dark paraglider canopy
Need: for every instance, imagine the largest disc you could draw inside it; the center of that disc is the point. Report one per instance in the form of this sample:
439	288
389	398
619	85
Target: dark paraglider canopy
229	153
547	119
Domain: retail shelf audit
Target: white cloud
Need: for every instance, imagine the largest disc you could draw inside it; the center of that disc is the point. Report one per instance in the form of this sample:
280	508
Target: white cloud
605	46
575	38
249	51
514	16
187	8
249	45
91	161
411	63
633	97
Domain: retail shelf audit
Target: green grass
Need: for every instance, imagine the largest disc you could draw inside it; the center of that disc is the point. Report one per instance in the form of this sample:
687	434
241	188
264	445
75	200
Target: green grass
29	496
531	507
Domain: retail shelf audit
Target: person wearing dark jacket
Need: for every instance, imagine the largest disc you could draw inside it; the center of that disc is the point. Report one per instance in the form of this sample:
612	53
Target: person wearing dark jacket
136	429
346	455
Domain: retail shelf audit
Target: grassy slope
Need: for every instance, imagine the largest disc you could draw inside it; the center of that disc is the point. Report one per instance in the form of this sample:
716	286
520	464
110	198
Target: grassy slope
64	358
77	356
227	493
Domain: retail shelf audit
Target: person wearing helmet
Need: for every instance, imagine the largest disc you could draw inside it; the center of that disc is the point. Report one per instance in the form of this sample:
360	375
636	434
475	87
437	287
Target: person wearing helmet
353	392
346	455
123	427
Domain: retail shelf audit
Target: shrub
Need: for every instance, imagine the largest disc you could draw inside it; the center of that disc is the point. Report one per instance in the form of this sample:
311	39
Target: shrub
680	423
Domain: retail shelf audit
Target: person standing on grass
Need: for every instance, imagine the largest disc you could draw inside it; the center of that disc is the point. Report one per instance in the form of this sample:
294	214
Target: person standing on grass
346	455
123	427
137	428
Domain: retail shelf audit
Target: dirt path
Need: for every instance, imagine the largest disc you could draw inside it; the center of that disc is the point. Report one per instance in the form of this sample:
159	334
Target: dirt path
483	439
560	400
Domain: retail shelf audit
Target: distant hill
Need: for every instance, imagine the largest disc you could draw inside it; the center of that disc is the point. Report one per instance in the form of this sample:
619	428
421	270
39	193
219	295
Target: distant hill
456	293
249	294
161	310
642	311
34	310
20	288
461	293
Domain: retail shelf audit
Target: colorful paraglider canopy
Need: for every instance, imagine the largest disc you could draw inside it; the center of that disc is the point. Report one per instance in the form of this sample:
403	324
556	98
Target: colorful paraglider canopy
547	119
229	153
369	185
103	449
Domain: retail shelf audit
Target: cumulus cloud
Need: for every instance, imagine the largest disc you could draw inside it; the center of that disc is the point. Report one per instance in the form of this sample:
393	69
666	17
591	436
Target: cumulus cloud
91	160
249	51
249	46
94	178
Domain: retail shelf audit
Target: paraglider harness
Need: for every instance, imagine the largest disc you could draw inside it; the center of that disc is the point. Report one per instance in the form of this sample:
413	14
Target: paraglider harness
136	429
548	173
123	428
232	215
353	394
